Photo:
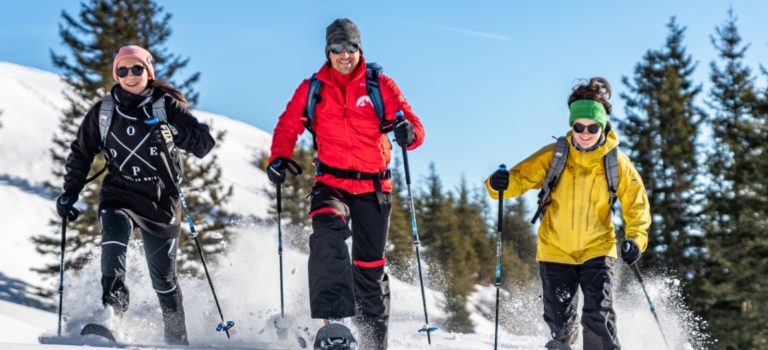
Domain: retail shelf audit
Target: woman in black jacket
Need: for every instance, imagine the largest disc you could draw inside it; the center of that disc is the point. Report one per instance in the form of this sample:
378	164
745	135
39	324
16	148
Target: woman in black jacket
138	190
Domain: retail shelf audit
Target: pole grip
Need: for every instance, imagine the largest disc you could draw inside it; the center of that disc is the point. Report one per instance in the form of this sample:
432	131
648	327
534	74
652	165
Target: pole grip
399	114
279	197
502	167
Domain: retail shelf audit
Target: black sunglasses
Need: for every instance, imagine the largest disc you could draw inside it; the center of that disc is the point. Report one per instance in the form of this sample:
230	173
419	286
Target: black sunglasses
137	70
592	128
351	48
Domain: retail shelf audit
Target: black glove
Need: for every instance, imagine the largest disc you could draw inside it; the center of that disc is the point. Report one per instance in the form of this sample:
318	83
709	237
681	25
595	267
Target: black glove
500	180
65	206
276	169
404	133
630	252
165	133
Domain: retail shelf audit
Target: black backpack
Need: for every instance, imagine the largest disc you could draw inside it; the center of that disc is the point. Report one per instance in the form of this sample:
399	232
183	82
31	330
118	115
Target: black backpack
610	161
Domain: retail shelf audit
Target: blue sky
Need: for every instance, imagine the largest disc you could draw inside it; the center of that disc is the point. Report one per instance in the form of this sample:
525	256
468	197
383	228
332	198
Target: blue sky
489	79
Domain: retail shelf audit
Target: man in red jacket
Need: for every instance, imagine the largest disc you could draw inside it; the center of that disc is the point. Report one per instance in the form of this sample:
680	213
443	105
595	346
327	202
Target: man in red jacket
352	184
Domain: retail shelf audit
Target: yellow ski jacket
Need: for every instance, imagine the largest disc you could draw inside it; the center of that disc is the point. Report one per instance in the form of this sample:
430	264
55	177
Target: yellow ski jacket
577	225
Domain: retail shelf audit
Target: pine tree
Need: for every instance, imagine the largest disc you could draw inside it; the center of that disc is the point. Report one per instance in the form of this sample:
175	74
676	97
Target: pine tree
93	38
206	195
294	195
735	217
448	251
520	243
660	133
474	228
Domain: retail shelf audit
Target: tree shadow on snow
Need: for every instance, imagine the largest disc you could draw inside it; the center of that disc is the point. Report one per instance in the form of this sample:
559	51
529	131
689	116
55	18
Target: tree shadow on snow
19	292
25	185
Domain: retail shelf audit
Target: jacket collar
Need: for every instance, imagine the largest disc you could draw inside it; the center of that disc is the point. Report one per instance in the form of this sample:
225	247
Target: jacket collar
129	101
325	74
594	157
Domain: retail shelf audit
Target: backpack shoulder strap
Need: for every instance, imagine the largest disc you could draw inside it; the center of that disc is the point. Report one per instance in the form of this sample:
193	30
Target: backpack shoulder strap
158	110
611	161
372	72
105	117
159	114
559	158
313	98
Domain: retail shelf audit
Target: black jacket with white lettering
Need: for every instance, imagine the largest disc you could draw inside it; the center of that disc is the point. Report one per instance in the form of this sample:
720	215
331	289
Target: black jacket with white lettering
137	178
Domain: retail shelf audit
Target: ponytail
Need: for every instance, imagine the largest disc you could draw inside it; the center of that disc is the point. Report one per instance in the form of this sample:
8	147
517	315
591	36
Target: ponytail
170	90
596	89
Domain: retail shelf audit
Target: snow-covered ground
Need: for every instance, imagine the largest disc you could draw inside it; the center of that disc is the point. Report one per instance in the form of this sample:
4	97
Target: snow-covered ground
246	277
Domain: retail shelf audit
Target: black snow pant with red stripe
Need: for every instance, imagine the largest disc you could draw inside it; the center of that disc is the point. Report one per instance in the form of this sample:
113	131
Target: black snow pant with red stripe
560	283
338	287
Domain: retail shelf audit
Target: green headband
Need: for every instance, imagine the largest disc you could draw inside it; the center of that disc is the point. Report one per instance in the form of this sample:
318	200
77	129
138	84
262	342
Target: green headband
588	109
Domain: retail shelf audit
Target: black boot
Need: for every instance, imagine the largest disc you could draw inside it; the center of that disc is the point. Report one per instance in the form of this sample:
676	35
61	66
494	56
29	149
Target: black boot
593	341
335	336
173	318
373	332
556	345
115	294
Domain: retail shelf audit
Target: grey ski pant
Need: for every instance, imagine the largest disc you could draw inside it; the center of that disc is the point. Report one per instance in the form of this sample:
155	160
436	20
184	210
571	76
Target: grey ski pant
560	283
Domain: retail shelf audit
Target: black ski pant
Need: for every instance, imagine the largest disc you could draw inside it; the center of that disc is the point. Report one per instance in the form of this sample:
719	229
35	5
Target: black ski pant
117	226
340	287
560	283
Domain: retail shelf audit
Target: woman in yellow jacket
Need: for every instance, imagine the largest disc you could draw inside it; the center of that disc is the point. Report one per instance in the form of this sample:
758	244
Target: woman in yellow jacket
577	239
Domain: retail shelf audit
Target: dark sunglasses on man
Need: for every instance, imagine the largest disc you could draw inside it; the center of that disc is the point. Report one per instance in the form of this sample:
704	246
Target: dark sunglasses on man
592	128
339	48
136	70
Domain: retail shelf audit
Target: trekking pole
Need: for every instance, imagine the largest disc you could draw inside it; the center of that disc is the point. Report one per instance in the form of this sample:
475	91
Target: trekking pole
415	233
278	196
166	156
61	269
295	169
72	217
498	259
636	270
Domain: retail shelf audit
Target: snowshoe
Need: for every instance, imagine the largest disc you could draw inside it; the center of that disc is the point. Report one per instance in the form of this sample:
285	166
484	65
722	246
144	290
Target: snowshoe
104	322
335	336
99	330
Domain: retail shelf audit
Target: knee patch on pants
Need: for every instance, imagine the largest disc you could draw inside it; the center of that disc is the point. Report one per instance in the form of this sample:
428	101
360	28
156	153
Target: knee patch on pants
328	200
330	220
116	228
116	225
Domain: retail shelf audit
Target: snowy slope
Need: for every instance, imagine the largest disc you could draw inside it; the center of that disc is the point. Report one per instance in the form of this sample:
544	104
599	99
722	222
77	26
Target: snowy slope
246	283
246	277
30	104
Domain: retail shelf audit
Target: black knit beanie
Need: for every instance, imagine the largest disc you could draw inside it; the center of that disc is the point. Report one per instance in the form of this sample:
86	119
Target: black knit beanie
341	31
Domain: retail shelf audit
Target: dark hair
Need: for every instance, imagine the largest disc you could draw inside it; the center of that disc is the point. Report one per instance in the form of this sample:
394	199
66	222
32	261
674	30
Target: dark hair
168	89
596	89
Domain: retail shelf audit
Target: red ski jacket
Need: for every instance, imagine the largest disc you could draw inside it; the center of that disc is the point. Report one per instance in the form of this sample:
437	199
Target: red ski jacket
346	127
